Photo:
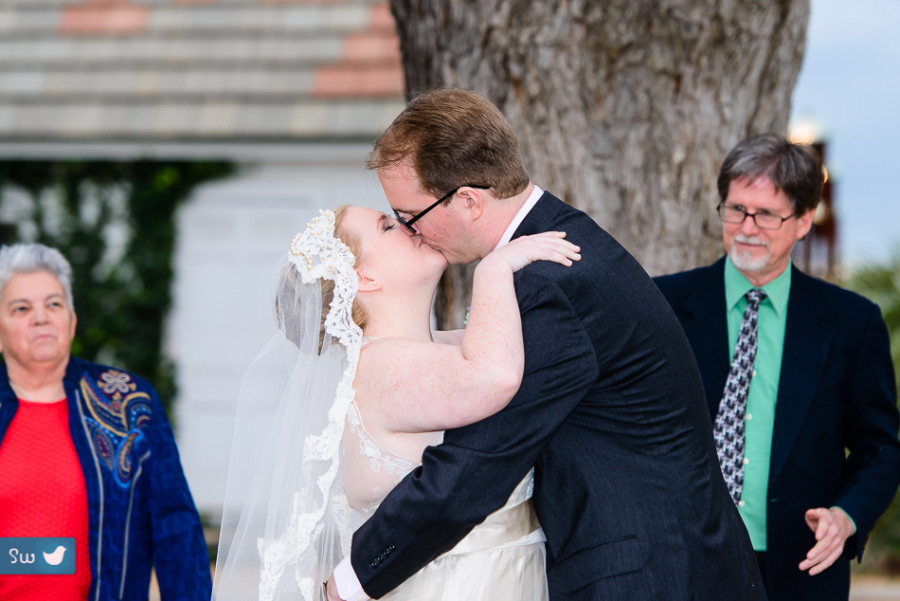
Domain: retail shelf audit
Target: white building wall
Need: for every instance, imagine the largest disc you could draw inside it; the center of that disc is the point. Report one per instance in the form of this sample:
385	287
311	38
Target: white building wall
231	235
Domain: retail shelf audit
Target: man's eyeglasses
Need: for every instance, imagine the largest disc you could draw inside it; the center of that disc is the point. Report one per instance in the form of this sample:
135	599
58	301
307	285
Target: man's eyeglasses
763	219
408	223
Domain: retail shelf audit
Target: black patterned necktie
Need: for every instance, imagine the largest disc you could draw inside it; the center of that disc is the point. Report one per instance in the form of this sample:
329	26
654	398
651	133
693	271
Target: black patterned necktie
729	428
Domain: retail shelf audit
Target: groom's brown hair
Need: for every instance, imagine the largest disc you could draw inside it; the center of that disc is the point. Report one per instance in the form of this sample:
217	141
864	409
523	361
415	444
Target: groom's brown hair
453	137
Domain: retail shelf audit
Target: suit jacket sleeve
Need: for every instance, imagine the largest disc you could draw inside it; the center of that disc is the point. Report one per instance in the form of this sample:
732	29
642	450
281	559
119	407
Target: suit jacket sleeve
477	467
873	464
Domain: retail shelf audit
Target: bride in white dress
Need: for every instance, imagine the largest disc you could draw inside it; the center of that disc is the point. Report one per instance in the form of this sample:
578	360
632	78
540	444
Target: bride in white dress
343	400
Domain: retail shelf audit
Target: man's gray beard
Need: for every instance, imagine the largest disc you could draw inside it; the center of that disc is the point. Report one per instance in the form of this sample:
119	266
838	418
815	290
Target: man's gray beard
746	262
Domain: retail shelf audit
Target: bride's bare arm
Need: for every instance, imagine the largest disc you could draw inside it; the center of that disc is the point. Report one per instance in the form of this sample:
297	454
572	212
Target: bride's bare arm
448	336
417	386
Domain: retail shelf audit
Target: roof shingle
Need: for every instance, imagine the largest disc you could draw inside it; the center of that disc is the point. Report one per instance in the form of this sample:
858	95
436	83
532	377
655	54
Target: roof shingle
197	69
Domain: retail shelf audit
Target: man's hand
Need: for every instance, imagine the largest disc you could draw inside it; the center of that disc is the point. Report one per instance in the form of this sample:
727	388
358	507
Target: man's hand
832	528
329	590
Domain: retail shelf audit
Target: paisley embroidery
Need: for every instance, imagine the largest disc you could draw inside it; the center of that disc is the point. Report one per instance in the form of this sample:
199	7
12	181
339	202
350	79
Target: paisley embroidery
103	443
119	413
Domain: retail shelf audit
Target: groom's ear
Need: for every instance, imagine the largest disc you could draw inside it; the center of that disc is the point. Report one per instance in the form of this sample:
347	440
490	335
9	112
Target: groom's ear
474	201
365	283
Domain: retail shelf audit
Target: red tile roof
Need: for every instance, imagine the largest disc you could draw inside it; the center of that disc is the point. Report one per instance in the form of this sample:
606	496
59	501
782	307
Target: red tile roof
95	18
197	69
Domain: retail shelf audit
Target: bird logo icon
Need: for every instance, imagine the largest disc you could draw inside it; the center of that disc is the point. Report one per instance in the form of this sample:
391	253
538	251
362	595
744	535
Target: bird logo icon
55	558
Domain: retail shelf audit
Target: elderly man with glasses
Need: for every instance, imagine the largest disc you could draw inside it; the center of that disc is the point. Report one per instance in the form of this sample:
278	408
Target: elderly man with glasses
798	378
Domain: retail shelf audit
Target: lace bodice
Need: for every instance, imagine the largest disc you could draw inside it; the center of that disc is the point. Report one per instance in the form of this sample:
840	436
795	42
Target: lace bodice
370	470
501	559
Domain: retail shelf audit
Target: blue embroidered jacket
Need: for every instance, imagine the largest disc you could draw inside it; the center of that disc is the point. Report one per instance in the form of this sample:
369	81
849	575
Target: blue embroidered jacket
141	513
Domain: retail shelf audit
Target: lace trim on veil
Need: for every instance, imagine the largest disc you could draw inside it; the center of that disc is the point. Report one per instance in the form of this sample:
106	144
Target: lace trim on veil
318	254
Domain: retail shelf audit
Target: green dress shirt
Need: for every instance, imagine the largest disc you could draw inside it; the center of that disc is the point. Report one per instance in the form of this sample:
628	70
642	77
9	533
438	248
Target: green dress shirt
760	417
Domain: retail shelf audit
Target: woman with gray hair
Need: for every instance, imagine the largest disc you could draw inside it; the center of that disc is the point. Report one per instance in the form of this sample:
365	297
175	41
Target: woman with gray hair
92	494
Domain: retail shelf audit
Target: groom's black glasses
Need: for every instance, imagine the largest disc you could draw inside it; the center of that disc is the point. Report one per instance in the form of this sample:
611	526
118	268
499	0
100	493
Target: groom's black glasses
408	223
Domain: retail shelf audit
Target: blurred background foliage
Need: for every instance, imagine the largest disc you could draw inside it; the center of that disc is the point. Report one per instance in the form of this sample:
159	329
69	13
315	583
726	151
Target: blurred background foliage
881	284
115	223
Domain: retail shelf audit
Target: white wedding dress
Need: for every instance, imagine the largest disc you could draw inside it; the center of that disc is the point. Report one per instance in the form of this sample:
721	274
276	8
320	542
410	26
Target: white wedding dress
304	473
501	559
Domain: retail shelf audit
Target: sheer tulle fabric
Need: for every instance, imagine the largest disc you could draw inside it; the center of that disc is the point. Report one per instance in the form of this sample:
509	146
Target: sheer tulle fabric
286	521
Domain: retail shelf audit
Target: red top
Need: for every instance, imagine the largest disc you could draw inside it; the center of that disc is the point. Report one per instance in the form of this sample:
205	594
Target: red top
42	493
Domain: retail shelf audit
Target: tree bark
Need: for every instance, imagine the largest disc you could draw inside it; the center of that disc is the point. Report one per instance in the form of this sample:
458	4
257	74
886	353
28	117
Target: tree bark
623	108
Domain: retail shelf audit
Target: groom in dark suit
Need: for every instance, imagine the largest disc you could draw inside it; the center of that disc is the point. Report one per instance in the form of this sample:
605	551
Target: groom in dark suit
822	383
610	413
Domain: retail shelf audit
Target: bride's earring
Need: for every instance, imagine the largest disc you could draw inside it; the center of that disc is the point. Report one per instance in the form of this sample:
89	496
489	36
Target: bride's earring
366	284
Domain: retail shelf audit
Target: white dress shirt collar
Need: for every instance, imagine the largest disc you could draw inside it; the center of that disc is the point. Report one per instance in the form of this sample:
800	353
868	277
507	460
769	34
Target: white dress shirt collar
536	194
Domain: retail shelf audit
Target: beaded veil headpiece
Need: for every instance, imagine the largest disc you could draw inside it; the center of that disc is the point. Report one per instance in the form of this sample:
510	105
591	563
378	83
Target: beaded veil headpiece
319	255
286	513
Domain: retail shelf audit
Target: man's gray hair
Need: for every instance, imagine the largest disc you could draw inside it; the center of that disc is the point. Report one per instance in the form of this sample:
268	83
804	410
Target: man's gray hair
29	258
794	169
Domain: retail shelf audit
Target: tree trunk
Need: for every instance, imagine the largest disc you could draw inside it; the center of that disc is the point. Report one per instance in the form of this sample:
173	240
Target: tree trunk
623	108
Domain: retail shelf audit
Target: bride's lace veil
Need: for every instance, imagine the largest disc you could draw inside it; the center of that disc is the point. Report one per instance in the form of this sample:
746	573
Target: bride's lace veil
286	520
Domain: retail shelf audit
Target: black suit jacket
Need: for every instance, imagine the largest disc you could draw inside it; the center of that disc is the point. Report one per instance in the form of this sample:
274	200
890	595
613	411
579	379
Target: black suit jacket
611	413
836	391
